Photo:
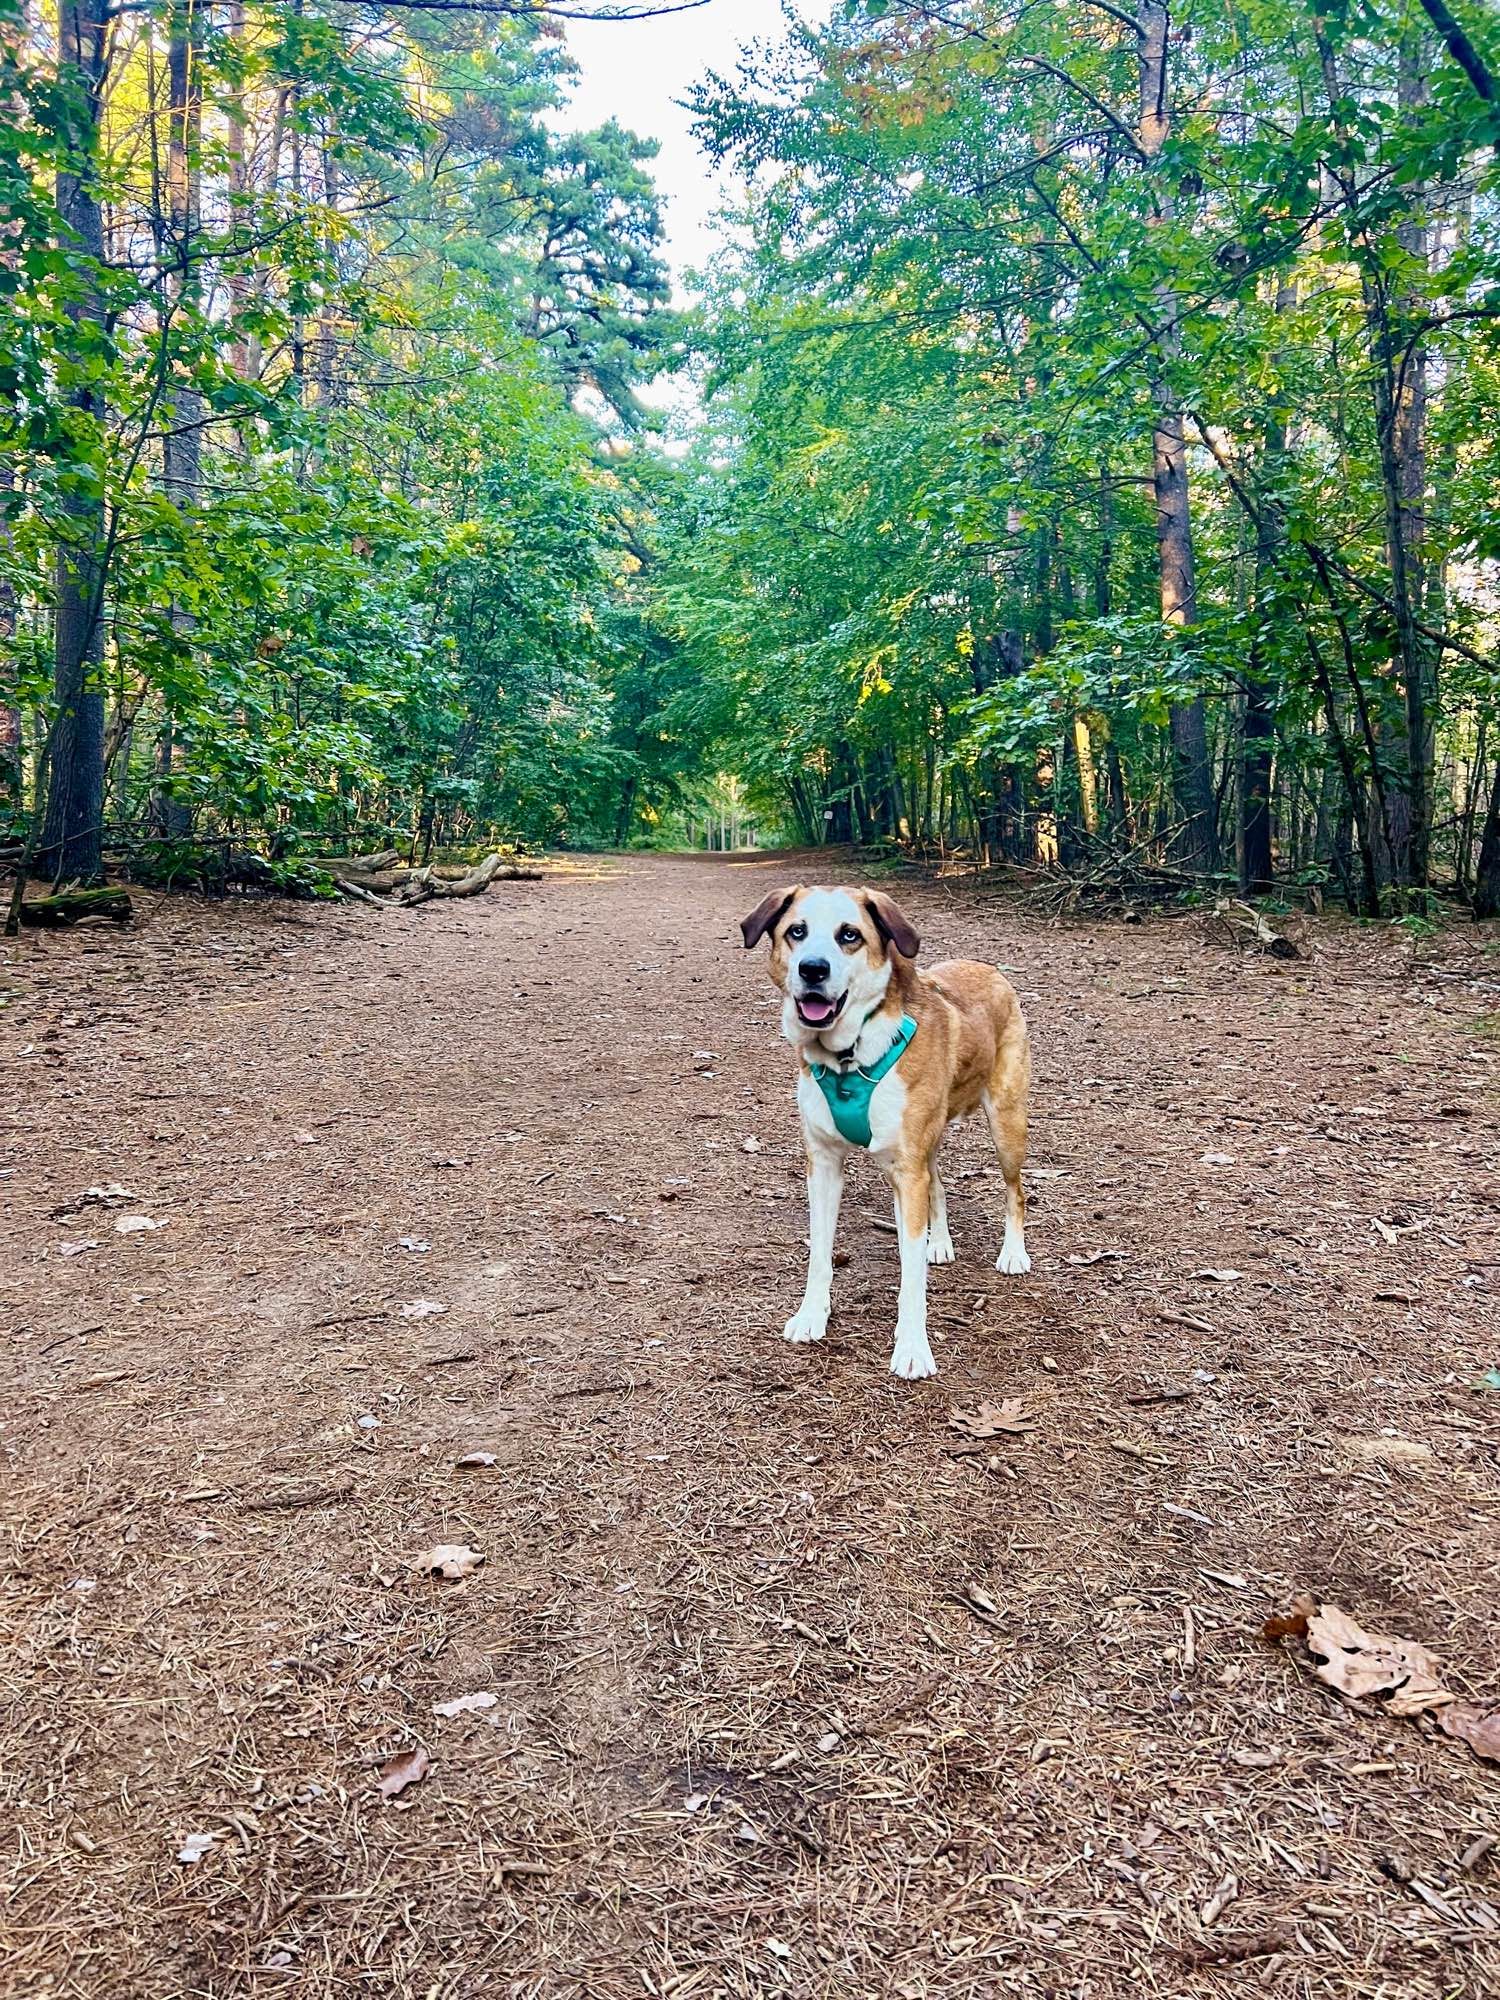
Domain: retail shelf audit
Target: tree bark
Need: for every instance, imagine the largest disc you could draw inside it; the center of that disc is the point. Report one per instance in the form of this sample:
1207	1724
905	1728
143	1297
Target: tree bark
182	444
12	746
72	842
1487	874
1258	729
1192	773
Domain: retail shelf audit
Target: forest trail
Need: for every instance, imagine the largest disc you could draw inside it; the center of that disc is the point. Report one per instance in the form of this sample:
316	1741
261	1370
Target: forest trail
788	1696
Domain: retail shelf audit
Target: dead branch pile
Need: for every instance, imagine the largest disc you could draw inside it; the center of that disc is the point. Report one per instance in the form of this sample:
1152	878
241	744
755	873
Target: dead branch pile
387	882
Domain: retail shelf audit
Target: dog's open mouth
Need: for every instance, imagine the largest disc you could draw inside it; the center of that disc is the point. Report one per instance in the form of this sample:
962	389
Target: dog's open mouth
817	1010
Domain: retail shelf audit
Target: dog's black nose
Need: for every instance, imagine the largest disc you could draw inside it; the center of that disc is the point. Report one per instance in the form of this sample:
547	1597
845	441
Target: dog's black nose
813	971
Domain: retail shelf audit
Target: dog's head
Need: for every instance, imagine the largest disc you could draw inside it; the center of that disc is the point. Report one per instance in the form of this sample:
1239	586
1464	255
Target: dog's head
833	953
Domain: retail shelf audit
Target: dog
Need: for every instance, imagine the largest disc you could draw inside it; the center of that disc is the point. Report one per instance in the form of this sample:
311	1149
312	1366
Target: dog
888	1057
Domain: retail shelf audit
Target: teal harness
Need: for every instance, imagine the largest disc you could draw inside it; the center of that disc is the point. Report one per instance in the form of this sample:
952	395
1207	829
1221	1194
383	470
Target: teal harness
848	1091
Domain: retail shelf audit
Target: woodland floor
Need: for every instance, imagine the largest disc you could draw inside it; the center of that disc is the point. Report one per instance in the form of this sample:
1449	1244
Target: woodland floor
753	1730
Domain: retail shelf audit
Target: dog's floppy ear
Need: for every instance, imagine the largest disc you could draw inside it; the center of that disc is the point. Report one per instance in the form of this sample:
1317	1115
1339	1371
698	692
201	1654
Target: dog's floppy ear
765	914
891	924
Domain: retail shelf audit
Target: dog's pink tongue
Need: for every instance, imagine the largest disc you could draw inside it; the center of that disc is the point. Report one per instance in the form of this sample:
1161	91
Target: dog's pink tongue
815	1007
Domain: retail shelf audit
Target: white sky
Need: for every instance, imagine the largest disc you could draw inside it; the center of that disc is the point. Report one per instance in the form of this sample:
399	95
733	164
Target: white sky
635	70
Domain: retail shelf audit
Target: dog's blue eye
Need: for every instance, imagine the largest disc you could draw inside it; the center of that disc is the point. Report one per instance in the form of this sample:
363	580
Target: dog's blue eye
796	932
849	935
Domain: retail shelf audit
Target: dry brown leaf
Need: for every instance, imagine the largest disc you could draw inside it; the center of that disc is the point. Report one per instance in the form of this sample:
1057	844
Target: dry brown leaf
1291	1624
451	1559
1008	1418
1082	1258
406	1769
1360	1663
475	1461
1472	1726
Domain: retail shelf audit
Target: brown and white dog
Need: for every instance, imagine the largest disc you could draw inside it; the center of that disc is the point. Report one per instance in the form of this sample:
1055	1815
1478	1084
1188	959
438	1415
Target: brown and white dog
844	958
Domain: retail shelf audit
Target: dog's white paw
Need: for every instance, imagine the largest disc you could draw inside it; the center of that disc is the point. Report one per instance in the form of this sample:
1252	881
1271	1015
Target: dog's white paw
912	1359
939	1248
1013	1260
806	1323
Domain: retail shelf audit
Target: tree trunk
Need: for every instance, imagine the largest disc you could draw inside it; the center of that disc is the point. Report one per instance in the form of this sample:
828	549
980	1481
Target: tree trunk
1487	874
182	444
1192	772
72	843
12	757
1258	729
1088	791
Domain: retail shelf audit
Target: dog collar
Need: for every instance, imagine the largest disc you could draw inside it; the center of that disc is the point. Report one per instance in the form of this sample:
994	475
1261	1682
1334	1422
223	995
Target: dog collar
848	1091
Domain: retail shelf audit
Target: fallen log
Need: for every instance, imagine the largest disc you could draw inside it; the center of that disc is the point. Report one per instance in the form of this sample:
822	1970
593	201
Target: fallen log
364	864
425	883
404	888
71	906
361	892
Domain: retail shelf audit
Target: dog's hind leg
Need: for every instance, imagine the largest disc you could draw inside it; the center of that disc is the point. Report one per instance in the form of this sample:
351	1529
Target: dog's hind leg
1005	1114
825	1186
939	1238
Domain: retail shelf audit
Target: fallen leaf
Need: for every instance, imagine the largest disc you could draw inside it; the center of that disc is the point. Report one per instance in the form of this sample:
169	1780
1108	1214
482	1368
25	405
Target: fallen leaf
451	1559
1359	1663
472	1461
979	1600
1470	1725
111	1191
195	1847
749	1145
131	1225
1220	1277
1083	1257
1383	1229
1009	1418
304	1138
829	1743
777	1949
78	1246
1217	1159
409	1768
1291	1624
422	1309
463	1704
415	1243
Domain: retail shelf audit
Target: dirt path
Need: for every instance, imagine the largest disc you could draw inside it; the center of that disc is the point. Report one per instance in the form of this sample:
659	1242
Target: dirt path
787	1697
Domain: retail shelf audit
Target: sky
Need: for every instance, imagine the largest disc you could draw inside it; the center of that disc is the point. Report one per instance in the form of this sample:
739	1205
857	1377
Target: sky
636	70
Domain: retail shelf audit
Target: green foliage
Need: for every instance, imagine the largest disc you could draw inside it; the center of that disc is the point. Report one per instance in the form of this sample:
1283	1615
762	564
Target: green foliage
368	561
920	554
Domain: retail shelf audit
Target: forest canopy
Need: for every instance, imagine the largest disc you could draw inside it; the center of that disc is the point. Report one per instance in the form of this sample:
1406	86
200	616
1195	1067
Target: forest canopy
1095	452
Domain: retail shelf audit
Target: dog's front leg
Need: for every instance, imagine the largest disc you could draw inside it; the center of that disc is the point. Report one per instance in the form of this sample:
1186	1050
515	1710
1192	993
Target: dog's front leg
912	1356
825	1185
